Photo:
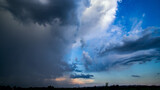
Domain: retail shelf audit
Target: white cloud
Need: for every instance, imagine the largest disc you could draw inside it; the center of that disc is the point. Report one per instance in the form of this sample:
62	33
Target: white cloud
136	31
96	19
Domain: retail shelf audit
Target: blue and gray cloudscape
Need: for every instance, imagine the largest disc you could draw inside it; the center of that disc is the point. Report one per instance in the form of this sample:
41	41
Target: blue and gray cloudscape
66	43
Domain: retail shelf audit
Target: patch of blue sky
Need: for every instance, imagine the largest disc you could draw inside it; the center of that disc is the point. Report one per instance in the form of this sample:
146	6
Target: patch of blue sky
147	72
131	10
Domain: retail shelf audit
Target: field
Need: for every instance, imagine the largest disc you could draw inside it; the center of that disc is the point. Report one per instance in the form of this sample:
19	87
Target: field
85	88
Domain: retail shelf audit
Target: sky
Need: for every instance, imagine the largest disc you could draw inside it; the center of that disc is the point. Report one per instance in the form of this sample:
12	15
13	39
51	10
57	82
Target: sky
74	43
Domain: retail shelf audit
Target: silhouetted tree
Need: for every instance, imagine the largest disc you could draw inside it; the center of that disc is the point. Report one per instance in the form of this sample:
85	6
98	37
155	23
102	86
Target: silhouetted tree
106	84
50	87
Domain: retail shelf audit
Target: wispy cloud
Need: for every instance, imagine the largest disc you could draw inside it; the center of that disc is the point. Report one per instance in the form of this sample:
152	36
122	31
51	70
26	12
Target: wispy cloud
158	73
136	76
87	76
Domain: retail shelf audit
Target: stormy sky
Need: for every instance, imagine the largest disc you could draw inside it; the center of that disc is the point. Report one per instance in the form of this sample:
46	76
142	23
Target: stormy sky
66	43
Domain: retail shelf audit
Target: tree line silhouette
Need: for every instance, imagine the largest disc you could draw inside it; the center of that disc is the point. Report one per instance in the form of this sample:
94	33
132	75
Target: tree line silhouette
113	87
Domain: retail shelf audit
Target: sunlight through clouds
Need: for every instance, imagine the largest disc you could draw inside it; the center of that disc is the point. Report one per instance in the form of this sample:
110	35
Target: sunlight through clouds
81	81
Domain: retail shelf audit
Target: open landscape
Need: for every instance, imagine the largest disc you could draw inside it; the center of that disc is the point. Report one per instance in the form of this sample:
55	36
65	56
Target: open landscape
115	87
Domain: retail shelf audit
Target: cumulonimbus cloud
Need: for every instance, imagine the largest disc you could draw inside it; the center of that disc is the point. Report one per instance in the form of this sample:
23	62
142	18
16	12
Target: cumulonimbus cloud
39	12
31	52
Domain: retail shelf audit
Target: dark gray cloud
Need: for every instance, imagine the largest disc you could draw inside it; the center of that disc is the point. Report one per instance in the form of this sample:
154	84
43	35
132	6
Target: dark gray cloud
88	76
77	70
136	76
74	67
149	40
39	12
30	53
137	59
28	56
144	43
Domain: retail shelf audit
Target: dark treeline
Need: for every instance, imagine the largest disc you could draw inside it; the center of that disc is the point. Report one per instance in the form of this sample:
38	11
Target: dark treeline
114	87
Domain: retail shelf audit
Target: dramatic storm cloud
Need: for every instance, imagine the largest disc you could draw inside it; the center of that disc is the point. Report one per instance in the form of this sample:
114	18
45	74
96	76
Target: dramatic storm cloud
45	11
32	52
79	42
